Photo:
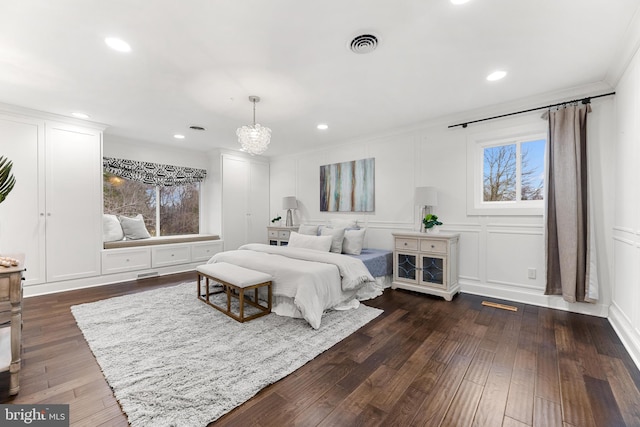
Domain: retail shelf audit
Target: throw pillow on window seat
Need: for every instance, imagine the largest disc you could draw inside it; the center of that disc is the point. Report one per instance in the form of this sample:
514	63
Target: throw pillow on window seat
111	228
134	228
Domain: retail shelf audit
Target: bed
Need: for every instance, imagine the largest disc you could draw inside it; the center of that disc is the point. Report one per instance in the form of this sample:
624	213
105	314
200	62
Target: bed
307	282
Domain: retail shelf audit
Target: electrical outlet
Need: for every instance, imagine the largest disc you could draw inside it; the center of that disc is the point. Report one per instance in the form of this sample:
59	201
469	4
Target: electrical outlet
532	273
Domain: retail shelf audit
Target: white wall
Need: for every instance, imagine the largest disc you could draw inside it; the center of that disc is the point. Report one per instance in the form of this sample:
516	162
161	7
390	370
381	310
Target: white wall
625	316
496	251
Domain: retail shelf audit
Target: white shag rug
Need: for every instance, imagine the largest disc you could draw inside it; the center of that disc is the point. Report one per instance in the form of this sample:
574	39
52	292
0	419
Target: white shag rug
172	360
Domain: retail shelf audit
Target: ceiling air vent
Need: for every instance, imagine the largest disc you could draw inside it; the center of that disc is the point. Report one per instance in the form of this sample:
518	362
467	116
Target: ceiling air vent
194	127
364	43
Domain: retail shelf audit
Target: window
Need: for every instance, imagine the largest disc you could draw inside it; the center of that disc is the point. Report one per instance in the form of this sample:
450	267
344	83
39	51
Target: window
508	173
167	196
177	213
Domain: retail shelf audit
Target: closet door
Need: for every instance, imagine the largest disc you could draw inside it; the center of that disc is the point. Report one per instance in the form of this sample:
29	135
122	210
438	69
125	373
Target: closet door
245	201
22	219
235	218
73	201
258	202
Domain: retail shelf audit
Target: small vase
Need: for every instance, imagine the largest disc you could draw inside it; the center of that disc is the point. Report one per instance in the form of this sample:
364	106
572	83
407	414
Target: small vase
433	230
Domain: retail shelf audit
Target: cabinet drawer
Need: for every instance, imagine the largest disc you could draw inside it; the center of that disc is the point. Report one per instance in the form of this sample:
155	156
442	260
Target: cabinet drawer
116	261
407	244
203	252
171	255
273	233
283	235
439	246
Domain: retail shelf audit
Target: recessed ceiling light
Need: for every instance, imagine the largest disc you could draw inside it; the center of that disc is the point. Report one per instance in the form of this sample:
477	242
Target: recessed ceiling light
323	126
459	1
117	44
178	136
80	115
496	75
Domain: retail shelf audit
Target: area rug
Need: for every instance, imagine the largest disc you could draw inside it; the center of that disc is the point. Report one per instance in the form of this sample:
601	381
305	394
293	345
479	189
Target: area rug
172	360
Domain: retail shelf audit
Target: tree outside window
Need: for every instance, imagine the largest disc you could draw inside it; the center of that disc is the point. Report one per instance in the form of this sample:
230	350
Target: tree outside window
177	213
513	172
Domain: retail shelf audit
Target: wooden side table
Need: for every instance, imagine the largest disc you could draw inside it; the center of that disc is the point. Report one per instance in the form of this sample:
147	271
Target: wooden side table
11	322
426	263
279	236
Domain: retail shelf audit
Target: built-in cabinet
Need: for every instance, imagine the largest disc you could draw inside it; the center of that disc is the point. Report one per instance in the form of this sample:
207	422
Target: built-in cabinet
426	263
53	215
245	200
155	257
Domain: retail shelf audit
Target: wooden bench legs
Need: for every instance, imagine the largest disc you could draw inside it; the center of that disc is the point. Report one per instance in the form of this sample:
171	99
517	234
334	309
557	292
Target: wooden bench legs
233	291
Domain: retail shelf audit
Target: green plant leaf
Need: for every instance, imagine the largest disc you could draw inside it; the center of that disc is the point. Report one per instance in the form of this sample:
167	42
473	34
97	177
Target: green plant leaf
7	180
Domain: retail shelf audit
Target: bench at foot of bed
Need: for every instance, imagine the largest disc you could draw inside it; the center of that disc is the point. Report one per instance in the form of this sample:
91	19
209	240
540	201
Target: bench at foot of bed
235	281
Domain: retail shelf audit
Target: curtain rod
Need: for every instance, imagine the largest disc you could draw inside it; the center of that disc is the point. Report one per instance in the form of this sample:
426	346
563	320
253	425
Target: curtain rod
586	100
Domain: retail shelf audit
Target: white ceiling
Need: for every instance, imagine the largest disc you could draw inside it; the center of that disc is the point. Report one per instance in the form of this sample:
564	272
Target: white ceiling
195	62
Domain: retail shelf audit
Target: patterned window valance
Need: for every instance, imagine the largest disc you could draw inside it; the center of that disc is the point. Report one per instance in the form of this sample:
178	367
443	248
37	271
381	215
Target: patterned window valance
153	173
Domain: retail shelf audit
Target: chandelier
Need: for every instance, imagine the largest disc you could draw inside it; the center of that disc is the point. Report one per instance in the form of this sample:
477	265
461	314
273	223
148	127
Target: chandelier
254	139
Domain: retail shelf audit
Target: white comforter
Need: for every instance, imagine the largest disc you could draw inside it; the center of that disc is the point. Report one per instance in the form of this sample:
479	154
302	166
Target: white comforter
316	281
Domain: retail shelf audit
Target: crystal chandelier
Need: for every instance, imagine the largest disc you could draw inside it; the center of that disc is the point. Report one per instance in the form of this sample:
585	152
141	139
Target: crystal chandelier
254	139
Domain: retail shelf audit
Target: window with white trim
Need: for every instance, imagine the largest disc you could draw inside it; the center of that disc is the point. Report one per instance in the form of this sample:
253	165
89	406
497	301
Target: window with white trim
507	173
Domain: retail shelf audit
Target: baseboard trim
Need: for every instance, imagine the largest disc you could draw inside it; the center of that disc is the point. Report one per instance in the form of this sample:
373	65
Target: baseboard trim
109	279
626	332
527	296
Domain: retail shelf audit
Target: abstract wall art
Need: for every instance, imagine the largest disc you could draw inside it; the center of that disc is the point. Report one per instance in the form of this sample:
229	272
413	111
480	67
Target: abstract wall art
348	186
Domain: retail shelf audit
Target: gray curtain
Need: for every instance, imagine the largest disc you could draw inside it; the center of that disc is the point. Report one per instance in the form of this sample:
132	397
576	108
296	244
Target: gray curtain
568	239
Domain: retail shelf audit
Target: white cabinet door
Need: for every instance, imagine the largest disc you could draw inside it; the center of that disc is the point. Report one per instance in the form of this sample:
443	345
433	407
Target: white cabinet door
258	202
22	219
73	201
235	181
245	201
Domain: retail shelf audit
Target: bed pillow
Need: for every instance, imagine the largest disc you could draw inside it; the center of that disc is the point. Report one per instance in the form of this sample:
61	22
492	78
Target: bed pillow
111	228
353	241
338	236
311	230
318	243
343	223
134	228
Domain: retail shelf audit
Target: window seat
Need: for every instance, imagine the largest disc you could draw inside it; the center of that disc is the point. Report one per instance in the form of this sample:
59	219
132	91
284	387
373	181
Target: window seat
163	240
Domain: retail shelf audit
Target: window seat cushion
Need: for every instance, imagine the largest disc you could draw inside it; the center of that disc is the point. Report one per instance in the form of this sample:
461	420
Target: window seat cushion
163	240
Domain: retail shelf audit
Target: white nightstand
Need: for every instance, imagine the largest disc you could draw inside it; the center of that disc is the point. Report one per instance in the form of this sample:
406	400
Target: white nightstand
427	263
279	236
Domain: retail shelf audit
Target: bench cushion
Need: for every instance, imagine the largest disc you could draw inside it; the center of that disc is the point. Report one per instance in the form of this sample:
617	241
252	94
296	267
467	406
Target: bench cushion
233	274
164	240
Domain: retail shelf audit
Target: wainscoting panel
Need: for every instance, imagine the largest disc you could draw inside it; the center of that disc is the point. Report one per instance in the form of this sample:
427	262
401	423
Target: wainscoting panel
511	252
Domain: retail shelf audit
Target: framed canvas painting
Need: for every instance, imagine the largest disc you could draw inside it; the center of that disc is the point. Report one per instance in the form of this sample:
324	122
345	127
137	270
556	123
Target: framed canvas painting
348	186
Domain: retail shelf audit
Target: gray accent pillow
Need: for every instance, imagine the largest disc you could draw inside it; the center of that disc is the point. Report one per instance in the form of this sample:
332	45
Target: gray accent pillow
353	241
134	228
337	234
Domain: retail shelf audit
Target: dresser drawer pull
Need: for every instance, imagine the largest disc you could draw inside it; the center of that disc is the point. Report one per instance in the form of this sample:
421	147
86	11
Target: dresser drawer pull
433	246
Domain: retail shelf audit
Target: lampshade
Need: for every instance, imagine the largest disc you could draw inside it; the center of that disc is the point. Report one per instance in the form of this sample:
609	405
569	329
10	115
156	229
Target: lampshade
289	202
254	139
426	196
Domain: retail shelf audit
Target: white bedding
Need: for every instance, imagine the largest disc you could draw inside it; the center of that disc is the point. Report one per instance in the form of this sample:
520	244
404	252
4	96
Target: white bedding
315	281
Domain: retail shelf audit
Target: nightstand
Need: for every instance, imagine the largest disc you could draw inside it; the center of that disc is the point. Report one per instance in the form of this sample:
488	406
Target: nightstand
426	263
279	236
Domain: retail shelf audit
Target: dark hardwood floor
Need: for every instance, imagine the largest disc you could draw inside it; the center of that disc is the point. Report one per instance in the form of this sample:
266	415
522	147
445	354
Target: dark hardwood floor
425	361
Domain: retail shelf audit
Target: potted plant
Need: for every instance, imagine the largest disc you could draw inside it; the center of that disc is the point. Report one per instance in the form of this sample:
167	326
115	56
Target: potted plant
276	221
430	221
7	181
